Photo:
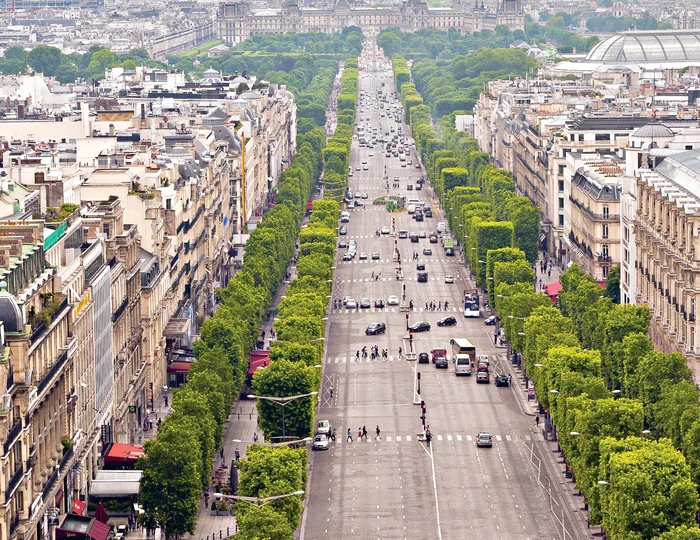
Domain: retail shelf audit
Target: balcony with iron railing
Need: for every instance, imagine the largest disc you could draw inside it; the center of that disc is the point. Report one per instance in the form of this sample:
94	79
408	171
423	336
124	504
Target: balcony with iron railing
14	482
54	370
12	435
52	310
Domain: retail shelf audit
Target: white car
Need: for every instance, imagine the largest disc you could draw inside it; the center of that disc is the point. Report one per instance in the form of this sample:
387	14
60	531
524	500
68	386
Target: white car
320	442
323	427
350	303
393	300
449	278
385	229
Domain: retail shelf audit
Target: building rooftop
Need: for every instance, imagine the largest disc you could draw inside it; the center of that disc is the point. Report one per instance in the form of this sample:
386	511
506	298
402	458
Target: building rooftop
648	46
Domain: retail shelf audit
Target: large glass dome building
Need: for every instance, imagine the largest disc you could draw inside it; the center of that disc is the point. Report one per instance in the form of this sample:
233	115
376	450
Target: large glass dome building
648	47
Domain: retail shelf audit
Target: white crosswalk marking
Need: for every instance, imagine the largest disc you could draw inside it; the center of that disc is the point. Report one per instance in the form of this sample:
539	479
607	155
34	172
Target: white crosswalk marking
449	437
469	437
398	438
439	437
408	438
498	437
459	437
508	438
388	438
391	358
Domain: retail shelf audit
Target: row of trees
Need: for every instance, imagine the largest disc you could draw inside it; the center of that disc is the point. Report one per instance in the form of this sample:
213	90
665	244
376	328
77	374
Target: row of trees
174	475
336	156
447	44
265	53
67	68
480	200
628	417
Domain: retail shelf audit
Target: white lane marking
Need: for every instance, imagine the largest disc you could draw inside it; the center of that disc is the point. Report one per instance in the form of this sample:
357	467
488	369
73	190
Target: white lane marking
449	437
459	437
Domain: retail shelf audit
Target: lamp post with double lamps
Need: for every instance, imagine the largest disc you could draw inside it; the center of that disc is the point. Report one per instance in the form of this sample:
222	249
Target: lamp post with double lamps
282	402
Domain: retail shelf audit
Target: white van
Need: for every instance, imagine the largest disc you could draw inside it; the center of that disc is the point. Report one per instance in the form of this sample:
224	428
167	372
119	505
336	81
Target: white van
441	227
415	202
411	209
463	365
344	217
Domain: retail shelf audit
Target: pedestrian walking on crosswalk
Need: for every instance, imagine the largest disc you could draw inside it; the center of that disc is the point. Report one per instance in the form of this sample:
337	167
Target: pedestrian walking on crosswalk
364	432
349	437
378	432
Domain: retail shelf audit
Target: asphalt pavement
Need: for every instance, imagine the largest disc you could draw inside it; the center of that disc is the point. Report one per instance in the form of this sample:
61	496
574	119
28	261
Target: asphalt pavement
395	485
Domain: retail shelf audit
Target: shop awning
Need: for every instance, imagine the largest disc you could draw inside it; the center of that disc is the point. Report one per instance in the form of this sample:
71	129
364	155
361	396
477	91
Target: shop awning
115	484
75	527
120	452
552	289
177	328
179	367
543	237
258	363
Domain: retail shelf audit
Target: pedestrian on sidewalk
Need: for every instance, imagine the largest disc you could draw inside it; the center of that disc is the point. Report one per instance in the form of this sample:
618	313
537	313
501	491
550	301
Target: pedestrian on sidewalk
221	453
333	435
237	454
364	432
165	398
349	437
255	437
510	380
331	390
537	420
378	432
400	355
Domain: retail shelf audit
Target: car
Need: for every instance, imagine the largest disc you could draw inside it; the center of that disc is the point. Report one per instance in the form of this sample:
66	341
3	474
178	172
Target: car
449	278
350	173
409	187
422	326
422	234
351	304
320	442
371	154
375	256
379	303
502	380
441	362
343	230
364	162
420	266
385	229
348	257
363	255
427	251
414	237
376	328
409	162
342	244
418	216
490	321
351	204
433	239
323	427
403	164
449	252
348	195
482	366
358	168
417	165
423	358
484	439
403	234
422	277
447	321
365	196
365	303
392	300
428	212
358	195
365	167
482	377
419	187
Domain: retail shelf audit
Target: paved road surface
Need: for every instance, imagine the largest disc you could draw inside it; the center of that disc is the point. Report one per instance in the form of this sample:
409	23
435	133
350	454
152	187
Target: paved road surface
395	486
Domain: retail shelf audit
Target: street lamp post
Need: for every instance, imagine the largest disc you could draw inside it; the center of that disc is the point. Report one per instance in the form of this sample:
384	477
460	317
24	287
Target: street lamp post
258	502
282	402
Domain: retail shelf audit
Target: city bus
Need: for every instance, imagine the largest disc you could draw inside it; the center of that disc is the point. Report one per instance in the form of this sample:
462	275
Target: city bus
471	303
464	356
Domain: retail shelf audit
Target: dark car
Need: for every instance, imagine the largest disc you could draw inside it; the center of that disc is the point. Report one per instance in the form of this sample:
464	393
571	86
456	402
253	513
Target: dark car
501	380
376	328
482	377
428	212
441	362
491	320
447	321
419	327
379	303
414	237
422	277
419	216
347	257
420	266
423	358
343	230
342	244
450	252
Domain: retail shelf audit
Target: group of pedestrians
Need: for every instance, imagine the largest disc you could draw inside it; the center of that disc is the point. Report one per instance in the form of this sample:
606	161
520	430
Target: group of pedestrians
374	352
432	306
361	434
415	255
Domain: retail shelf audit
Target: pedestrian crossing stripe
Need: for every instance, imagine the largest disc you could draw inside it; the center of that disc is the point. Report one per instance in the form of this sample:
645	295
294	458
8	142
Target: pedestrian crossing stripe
449	437
392	310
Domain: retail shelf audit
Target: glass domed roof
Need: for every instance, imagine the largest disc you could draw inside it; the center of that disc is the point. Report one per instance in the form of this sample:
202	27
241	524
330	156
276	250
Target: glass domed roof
651	46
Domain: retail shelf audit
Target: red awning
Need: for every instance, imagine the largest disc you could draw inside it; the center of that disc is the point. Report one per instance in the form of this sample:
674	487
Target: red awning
552	289
78	507
179	367
99	531
258	363
120	452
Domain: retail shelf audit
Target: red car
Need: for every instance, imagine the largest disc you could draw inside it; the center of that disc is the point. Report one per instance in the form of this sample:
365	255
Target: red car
437	353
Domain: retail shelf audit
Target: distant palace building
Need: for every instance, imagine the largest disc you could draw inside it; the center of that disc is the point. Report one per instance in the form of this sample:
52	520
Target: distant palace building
237	21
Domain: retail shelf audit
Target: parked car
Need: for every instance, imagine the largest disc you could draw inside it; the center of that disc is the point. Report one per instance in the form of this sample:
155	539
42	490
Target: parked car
482	377
447	321
490	321
422	326
320	442
343	230
342	243
423	358
484	439
376	328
